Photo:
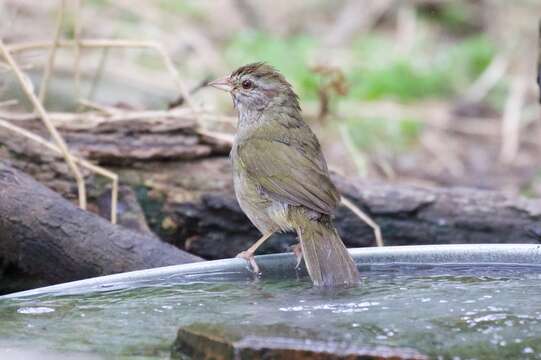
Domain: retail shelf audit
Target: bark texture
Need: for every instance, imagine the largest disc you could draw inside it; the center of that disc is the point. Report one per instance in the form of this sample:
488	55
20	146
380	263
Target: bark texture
214	226
183	183
48	237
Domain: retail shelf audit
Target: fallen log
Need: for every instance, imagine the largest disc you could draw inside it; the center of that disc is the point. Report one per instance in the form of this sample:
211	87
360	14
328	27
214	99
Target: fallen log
47	237
190	202
212	225
123	139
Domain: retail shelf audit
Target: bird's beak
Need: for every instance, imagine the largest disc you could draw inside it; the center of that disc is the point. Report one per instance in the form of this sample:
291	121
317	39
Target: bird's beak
222	84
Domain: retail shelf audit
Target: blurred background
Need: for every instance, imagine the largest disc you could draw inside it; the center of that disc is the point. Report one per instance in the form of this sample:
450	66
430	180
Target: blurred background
430	92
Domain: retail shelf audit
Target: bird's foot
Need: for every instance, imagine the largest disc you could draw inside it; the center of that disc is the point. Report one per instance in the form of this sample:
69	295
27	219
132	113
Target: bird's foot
249	256
297	251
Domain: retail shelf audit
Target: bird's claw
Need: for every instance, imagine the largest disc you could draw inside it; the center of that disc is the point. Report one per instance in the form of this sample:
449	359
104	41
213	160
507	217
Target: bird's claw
248	256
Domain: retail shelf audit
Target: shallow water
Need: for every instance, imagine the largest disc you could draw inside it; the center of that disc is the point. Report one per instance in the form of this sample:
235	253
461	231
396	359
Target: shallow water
440	311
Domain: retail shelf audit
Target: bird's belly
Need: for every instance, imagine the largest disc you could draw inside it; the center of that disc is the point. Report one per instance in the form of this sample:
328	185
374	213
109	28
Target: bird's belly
266	214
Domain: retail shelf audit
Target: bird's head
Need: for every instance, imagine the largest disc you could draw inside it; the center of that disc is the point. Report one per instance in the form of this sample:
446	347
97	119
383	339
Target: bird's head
255	87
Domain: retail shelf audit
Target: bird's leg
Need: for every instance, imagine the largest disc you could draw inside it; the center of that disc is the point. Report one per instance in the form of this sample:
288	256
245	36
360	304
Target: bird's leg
248	255
297	251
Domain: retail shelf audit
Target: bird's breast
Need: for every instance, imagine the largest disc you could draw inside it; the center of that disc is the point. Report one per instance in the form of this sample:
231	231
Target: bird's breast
265	213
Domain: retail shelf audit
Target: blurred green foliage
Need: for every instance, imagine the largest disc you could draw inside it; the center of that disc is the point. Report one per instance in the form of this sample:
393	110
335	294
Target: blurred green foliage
289	55
377	71
375	68
98	3
386	135
171	6
382	72
455	16
181	7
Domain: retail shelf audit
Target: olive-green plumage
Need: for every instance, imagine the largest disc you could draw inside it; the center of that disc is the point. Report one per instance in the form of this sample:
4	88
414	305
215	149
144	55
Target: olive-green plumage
280	175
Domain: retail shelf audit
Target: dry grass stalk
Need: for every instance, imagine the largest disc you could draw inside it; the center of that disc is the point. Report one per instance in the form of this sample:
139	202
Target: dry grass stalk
52	53
108	110
367	219
494	72
107	43
435	115
406	29
358	158
385	167
7	103
98	74
77	46
84	163
29	91
510	130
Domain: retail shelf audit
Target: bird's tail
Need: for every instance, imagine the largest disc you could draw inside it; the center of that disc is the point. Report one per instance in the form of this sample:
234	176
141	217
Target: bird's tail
327	259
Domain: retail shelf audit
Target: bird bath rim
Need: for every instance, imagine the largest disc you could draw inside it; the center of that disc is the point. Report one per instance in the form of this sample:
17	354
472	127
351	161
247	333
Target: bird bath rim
283	264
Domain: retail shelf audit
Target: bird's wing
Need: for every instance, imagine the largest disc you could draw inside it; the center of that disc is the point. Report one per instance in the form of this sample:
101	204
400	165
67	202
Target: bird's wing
287	174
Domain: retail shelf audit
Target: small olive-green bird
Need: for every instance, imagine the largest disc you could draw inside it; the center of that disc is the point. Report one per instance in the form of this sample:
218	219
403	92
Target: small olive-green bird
280	175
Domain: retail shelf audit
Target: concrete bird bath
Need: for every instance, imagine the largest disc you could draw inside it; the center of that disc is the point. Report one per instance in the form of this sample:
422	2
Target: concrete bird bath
465	301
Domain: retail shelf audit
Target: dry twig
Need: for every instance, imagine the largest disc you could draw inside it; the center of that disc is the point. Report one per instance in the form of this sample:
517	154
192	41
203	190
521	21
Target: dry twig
107	110
488	79
107	43
356	17
29	91
52	53
406	27
364	217
7	103
84	163
358	158
77	46
510	134
98	74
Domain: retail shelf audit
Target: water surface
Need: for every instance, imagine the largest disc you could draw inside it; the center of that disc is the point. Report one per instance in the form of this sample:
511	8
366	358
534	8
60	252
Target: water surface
466	312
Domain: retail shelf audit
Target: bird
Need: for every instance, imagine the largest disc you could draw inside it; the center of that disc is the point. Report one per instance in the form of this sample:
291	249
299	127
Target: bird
281	179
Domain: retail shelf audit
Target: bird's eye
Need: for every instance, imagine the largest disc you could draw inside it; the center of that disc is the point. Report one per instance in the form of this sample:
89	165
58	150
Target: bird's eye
247	84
